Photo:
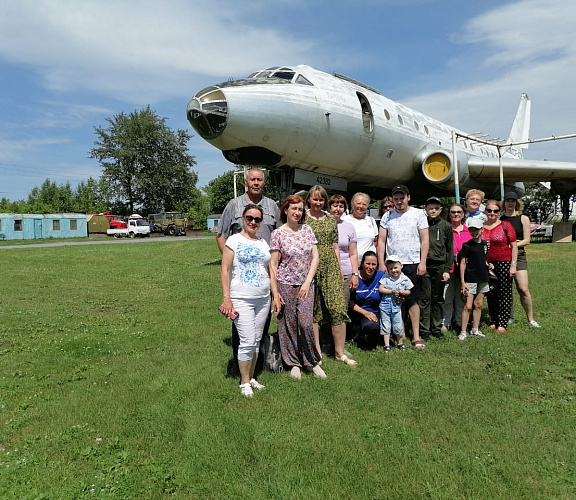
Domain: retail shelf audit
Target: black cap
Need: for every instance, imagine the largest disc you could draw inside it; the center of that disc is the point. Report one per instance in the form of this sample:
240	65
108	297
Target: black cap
433	199
510	195
400	189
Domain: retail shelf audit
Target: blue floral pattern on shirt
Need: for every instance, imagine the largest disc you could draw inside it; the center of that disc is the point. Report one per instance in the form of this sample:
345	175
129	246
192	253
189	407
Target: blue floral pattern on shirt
250	264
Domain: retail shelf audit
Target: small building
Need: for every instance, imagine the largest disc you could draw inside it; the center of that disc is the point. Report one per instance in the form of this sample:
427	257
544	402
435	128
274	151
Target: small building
212	222
42	226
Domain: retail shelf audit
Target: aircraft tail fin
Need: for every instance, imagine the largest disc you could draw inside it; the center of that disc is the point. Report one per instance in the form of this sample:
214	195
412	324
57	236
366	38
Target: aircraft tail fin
520	131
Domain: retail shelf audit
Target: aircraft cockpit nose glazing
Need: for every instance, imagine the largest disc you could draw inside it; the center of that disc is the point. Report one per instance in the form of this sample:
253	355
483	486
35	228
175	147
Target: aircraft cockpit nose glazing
208	112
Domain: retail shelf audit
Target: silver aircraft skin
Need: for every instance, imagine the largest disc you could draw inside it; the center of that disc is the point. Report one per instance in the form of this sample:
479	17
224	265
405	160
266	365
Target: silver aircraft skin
291	117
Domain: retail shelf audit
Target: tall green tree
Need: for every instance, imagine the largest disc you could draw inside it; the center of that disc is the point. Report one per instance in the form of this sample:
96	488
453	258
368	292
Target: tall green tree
221	190
92	196
50	197
146	163
199	210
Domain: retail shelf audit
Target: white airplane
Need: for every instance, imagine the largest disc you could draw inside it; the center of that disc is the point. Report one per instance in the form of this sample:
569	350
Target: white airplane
295	119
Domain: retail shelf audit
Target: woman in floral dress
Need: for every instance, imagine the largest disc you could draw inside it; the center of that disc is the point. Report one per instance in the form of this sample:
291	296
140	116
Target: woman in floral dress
293	263
329	305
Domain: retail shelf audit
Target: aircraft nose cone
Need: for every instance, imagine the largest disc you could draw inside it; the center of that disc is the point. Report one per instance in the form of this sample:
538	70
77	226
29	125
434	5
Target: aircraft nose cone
207	112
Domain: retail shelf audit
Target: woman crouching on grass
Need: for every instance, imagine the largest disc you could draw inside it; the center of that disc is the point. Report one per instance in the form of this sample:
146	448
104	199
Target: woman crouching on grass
245	278
293	265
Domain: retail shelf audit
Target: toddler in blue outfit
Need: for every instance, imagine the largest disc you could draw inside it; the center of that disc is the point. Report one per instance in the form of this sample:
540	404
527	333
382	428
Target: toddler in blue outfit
394	287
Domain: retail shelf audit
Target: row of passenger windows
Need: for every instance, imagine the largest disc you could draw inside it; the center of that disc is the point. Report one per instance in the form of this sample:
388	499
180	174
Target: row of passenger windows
473	147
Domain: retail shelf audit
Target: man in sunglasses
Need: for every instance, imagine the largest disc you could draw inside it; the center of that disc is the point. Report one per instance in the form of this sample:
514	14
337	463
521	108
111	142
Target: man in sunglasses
231	223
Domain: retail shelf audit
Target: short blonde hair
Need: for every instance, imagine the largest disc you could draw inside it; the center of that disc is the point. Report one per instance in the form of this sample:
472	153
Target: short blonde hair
471	192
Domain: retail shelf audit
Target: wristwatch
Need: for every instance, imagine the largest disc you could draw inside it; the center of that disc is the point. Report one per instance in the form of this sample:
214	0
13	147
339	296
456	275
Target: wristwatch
513	262
355	274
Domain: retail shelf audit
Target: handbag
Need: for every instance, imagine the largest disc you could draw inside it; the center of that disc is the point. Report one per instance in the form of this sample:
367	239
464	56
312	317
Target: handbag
270	347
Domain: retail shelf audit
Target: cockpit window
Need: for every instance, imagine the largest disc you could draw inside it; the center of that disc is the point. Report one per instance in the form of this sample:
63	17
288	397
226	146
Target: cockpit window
273	75
302	80
287	75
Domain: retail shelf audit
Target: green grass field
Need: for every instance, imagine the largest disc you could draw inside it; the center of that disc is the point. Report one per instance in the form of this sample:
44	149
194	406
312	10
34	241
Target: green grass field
113	385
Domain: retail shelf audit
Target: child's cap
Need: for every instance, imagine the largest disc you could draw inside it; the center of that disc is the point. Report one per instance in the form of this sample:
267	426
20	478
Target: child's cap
476	222
392	258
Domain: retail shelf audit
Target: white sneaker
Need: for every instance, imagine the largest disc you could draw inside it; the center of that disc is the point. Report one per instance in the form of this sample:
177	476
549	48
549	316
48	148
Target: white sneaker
462	336
477	333
257	385
246	390
535	324
296	373
444	328
318	372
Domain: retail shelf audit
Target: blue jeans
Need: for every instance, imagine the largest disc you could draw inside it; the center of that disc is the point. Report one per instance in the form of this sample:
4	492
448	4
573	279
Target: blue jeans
391	320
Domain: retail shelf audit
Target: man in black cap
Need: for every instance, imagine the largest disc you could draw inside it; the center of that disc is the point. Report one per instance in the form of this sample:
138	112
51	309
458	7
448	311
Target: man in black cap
404	232
438	264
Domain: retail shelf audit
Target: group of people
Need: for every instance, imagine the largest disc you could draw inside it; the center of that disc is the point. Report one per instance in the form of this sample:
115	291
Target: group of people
311	264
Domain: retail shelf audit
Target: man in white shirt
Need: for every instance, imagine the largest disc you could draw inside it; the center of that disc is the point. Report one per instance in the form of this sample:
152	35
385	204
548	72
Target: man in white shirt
404	232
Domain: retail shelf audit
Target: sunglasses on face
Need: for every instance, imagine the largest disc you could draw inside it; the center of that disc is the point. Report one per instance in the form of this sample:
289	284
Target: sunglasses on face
492	211
249	218
456	212
388	206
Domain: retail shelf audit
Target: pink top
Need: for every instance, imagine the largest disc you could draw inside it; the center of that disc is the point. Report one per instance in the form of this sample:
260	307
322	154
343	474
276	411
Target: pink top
499	239
296	253
460	237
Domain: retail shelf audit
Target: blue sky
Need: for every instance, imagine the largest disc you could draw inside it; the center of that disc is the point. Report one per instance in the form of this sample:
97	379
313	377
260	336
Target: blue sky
67	65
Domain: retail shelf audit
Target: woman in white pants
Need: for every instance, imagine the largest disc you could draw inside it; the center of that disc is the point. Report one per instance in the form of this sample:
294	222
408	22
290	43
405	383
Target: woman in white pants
245	279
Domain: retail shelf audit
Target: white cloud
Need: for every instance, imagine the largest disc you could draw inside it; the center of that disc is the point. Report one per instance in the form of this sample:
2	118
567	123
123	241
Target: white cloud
12	149
530	48
523	32
133	47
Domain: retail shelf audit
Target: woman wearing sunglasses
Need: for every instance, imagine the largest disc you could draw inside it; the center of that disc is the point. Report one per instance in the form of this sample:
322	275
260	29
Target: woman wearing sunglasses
453	302
245	278
386	205
503	254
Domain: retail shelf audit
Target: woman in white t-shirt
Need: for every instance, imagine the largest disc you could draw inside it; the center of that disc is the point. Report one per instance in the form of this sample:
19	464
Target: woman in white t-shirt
364	224
245	279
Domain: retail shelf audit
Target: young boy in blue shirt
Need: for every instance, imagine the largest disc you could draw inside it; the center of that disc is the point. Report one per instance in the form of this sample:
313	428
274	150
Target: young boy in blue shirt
394	287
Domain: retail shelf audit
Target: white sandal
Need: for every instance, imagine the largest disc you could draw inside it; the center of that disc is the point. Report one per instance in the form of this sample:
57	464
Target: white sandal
347	360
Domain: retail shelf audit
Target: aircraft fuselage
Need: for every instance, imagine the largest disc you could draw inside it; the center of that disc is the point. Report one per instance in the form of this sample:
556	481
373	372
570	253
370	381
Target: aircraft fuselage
298	117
